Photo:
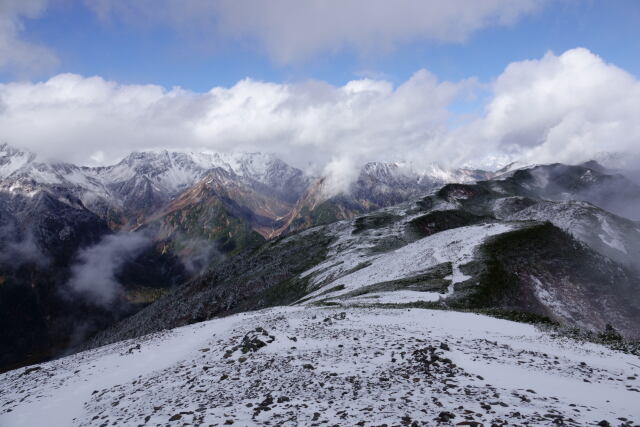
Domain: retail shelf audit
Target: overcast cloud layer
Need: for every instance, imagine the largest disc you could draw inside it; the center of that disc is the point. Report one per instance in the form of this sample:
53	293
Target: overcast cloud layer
564	107
289	31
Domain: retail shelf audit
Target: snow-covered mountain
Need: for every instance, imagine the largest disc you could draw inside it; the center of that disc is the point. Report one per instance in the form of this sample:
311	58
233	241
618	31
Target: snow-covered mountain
169	171
143	181
474	246
380	318
197	211
172	172
143	184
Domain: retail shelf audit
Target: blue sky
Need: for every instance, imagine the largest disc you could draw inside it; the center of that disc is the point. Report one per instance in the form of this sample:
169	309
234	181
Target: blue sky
127	53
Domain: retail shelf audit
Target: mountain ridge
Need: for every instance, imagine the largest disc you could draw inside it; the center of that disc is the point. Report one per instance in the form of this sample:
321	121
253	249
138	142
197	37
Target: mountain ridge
239	211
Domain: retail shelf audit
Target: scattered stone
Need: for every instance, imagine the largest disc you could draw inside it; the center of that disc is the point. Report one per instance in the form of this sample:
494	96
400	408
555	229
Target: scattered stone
445	417
31	370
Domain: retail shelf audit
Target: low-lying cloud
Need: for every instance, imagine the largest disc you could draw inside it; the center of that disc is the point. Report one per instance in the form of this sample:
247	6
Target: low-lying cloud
20	247
566	108
93	275
196	254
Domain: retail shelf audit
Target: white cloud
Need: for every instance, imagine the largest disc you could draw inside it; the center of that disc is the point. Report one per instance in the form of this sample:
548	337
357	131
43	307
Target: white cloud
566	107
81	120
94	273
561	108
292	30
17	55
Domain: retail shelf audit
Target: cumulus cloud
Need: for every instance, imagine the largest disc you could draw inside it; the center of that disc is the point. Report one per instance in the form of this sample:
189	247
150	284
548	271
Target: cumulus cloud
86	119
17	55
561	108
94	273
568	108
290	31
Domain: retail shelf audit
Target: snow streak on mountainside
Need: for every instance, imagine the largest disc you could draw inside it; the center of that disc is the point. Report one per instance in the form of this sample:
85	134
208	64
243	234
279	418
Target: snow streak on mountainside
304	365
352	266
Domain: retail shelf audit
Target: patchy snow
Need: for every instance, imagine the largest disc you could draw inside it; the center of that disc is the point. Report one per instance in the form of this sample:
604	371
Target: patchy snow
302	365
546	295
356	267
395	297
10	164
611	237
509	170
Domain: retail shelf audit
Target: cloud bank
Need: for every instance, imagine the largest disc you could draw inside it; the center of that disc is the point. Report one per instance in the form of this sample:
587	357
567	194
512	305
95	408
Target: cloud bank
77	119
290	31
565	108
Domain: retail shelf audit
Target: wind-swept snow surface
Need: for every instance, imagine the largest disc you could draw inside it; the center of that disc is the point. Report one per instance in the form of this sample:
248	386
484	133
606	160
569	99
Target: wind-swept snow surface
306	365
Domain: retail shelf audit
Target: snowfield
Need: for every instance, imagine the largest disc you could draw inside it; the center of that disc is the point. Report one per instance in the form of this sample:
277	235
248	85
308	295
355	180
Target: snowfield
321	366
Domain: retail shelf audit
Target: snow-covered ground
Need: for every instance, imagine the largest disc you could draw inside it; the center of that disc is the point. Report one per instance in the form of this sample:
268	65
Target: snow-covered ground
308	365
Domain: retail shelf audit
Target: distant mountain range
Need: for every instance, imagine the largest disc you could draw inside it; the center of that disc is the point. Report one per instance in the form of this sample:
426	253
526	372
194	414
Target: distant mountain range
69	265
270	193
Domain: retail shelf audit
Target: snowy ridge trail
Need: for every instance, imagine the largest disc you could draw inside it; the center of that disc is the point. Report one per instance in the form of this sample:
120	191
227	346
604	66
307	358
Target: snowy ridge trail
357	366
67	383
